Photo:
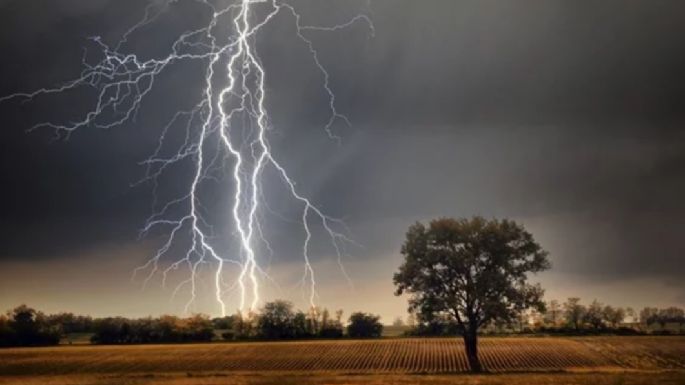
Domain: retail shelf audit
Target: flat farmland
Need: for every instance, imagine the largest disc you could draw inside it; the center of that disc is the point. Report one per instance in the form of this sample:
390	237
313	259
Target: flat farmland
328	359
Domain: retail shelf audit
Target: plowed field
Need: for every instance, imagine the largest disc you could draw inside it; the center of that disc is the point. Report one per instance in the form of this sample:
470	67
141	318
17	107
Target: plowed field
430	355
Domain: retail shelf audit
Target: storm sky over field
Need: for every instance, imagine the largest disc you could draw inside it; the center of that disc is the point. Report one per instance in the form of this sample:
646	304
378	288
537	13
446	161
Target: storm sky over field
565	116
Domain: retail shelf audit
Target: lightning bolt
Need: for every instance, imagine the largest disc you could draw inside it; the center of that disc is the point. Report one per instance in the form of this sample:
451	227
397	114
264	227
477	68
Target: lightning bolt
229	123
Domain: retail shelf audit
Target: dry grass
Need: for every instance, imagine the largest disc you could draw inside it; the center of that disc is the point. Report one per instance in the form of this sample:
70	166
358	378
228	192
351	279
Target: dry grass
650	353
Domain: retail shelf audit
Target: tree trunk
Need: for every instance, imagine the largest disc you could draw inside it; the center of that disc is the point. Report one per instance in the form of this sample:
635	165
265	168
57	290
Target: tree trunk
471	344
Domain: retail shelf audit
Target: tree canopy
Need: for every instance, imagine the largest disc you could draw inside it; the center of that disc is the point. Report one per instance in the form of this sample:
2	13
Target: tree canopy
363	325
474	271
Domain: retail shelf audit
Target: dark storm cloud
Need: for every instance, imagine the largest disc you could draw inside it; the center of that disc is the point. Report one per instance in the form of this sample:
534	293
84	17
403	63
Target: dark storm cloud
556	110
564	114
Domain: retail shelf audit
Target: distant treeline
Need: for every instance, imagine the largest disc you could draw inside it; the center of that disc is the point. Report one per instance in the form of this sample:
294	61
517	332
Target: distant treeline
278	320
571	317
24	326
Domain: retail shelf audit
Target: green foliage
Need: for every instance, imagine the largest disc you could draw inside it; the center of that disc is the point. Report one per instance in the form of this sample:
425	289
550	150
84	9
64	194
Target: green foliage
594	315
276	320
118	330
71	323
574	312
363	325
553	313
651	316
613	316
223	323
472	270
279	320
331	328
24	326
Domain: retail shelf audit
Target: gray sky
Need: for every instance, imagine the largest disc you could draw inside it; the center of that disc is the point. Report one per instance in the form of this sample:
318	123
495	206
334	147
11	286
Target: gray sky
566	116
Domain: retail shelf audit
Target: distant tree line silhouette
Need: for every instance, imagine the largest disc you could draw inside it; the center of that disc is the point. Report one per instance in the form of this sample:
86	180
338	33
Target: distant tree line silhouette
277	320
24	326
571	317
164	329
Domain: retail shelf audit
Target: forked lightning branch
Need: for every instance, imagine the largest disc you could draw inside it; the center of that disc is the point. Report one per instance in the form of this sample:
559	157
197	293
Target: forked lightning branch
231	114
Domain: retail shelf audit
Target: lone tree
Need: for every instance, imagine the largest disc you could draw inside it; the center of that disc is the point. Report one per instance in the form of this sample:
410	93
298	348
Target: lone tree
472	271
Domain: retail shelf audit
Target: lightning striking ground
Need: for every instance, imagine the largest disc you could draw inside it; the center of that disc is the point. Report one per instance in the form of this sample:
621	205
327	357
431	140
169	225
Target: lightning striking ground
227	128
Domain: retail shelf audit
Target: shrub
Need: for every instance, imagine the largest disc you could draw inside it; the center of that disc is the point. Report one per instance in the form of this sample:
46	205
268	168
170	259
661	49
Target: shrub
363	325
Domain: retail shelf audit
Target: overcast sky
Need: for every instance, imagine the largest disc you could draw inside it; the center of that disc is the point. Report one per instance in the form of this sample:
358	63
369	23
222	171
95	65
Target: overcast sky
566	116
